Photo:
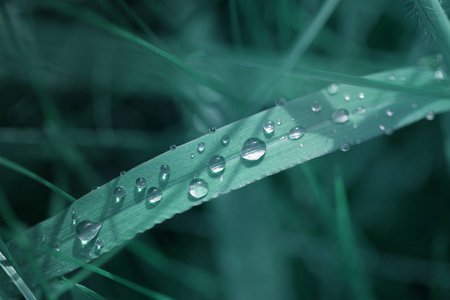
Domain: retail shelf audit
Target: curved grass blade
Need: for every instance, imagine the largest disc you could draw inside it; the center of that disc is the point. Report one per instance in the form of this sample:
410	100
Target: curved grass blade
86	291
362	113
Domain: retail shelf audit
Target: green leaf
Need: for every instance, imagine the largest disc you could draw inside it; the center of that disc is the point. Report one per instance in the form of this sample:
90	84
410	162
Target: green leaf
371	111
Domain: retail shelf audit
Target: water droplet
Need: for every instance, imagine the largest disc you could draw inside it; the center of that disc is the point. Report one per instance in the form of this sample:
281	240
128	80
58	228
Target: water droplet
347	97
225	140
86	231
381	126
154	195
361	95
201	147
164	174
391	77
119	193
269	127
388	131
345	147
75	218
282	138
429	115
173	147
43	238
301	145
280	102
95	187
122	173
253	149
333	89
316	107
439	74
217	164
340	116
198	188
278	122
192	155
140	183
99	244
402	79
414	106
389	113
58	246
296	132
212	130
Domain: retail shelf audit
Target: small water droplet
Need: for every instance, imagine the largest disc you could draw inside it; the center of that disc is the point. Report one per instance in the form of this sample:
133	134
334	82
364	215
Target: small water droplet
361	95
282	138
95	187
429	115
402	79
217	164
198	188
347	97
119	193
381	126
75	217
269	127
391	77
389	113
414	106
340	116
122	173
99	244
86	231
345	147
280	102
253	149
296	132
154	195
212	130
58	246
140	183
439	74
388	131
301	145
201	147
333	89
225	140
316	107
173	147
43	238
164	174
278	122
192	155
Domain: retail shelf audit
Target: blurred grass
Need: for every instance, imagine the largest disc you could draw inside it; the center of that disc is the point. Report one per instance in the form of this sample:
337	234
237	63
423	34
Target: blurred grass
121	105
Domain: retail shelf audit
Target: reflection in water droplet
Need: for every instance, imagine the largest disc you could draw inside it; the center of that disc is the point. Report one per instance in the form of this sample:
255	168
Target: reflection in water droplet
140	183
269	127
296	132
87	230
389	113
154	195
173	147
198	188
201	147
345	147
212	130
429	115
361	95
164	174
225	140
253	149
347	97
217	164
280	102
333	89
316	107
119	193
340	116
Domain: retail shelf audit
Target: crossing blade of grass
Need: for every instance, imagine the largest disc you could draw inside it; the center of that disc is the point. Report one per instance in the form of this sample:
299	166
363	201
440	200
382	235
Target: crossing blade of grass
353	264
338	124
86	291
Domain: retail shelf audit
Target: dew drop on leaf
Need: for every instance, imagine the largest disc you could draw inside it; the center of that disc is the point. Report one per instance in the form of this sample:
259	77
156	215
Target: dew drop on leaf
119	193
414	106
296	132
58	246
198	188
438	74
345	147
225	140
217	164
253	149
43	238
340	116
391	77
164	173
86	231
212	130
280	102
389	113
154	195
429	115
347	97
316	107
278	122
361	95
333	89
192	155
99	244
75	218
381	126
269	127
140	183
388	131
173	147
201	147
122	173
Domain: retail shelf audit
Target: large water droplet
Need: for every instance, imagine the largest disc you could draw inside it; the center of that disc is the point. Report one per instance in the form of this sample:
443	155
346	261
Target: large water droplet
316	107
217	164
154	195
164	174
296	132
269	127
340	116
253	149
119	193
225	140
345	147
201	147
429	115
333	89
280	102
198	188
140	183
86	231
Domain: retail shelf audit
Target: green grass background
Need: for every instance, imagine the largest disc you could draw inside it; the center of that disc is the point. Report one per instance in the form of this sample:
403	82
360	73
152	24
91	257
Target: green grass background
80	104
